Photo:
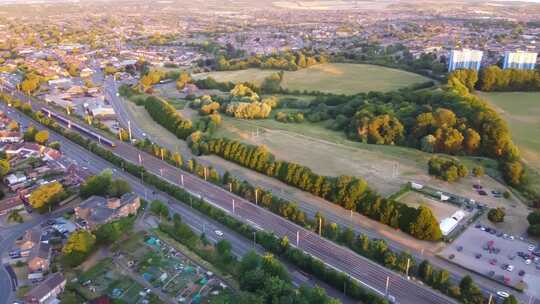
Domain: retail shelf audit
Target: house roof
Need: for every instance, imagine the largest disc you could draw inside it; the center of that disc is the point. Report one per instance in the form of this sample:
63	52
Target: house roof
40	291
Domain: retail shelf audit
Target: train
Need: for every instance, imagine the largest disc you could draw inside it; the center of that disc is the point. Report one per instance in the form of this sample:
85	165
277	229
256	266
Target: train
81	129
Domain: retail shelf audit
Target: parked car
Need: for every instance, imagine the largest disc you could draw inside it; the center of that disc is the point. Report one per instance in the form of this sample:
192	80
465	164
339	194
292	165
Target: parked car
477	186
482	192
493	261
452	256
218	233
510	268
531	247
460	248
478	255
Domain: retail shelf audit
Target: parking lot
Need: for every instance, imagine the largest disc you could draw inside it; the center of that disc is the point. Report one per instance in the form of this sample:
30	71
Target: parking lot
505	258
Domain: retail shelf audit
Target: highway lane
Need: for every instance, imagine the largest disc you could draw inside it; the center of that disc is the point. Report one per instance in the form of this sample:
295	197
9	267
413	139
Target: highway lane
192	217
331	212
343	259
111	89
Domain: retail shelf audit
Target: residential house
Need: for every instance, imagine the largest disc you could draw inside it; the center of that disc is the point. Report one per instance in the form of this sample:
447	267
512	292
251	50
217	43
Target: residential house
47	291
97	210
10	204
10	136
39	259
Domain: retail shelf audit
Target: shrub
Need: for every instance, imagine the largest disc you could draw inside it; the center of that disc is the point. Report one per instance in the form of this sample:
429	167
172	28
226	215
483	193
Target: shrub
496	215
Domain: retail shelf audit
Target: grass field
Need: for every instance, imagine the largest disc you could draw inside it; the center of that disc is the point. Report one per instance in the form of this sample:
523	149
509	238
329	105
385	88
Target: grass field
340	78
522	112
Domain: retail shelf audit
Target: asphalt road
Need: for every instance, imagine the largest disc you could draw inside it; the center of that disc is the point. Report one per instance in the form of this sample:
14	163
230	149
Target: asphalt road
198	222
372	275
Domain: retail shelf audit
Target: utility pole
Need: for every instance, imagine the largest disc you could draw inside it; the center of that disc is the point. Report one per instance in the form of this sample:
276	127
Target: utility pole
256	196
407	270
161	172
254	239
182	179
233	206
129	131
320	225
204	173
230	187
162	154
297	239
387	286
490	298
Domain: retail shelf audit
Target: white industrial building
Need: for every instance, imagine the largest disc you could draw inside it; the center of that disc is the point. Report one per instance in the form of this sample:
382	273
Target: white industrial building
465	59
519	60
448	224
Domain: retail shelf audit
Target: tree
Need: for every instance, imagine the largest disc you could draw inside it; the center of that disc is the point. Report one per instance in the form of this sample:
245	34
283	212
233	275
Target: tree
111	232
224	249
159	208
534	230
46	195
513	172
470	293
97	184
183	79
511	300
425	225
55	145
42	137
30	133
78	246
478	171
4	167
496	215
15	216
534	217
118	188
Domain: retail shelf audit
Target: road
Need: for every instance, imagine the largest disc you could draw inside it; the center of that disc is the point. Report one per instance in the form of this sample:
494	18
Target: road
198	222
111	89
330	211
372	275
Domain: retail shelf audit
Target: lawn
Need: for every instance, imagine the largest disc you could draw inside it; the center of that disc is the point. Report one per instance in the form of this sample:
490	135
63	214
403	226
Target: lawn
522	112
340	78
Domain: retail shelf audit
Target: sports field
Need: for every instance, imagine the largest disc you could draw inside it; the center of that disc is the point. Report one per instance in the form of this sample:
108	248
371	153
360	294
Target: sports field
522	112
339	78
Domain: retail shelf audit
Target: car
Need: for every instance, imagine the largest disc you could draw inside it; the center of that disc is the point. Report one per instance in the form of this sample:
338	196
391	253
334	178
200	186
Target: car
460	248
505	236
500	234
528	261
511	256
503	294
476	186
483	228
510	268
452	256
478	255
482	192
218	232
531	247
491	273
497	196
493	261
511	238
477	226
521	273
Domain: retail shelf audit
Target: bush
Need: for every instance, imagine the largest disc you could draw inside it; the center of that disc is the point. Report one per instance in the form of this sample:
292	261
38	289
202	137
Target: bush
496	215
447	169
478	171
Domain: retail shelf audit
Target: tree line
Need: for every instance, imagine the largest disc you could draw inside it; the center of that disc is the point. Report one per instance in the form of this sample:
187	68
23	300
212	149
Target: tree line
289	61
349	192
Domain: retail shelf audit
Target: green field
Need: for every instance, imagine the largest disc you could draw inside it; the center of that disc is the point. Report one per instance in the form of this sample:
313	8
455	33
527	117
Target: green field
340	78
522	112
